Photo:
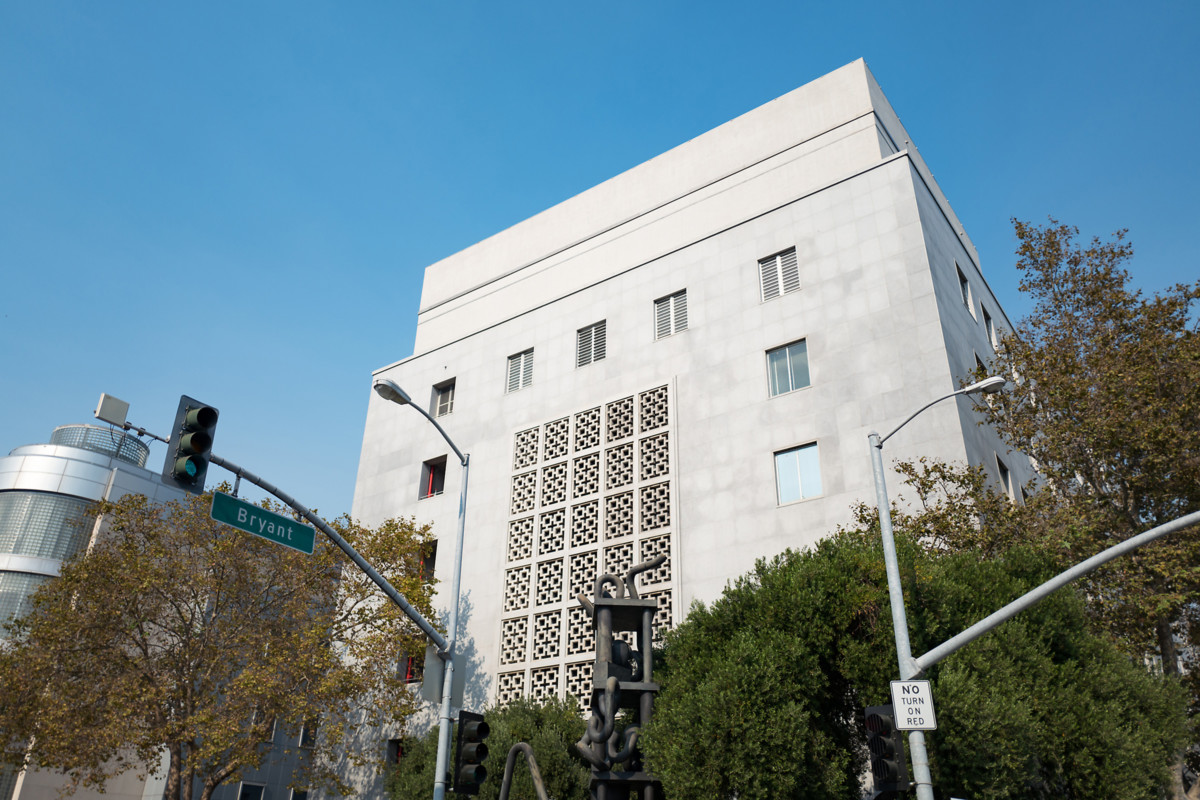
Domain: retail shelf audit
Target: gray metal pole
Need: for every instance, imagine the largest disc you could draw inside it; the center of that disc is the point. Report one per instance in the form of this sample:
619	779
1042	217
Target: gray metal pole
390	391
1062	579
916	739
443	751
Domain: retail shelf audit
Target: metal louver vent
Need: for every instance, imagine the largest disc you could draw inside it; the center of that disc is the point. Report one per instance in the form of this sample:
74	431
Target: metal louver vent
670	314
520	370
779	274
590	344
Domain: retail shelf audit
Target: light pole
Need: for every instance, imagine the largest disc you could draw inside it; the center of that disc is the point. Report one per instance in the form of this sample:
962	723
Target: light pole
908	667
388	390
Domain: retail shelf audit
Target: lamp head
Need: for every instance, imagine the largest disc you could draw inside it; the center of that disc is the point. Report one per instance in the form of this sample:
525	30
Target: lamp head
388	390
987	386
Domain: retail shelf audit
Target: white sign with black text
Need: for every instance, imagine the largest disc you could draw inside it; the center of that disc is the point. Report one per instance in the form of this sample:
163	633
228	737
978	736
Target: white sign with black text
913	706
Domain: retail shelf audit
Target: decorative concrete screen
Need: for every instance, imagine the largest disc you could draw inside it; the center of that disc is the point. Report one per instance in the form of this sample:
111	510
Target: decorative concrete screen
591	493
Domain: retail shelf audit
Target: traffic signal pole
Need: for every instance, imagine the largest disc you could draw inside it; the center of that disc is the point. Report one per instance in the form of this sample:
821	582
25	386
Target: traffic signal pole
333	536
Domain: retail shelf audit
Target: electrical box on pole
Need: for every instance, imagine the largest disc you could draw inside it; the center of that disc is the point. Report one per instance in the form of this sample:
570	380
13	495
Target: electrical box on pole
191	442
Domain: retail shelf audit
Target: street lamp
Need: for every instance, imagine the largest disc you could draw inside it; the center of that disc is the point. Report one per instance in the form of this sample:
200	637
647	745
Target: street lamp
388	390
908	667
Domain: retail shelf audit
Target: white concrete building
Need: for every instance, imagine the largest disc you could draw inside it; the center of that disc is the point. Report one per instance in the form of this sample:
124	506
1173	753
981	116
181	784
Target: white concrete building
685	359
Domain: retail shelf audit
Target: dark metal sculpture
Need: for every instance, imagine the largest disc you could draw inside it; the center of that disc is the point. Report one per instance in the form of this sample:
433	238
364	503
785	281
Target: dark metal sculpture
506	784
622	679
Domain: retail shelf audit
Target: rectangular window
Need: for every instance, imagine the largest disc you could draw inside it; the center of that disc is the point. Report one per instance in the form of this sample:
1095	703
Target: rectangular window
1005	478
670	314
779	274
433	477
299	794
590	344
308	733
787	367
520	370
964	288
411	668
395	750
442	402
989	328
250	791
428	561
264	726
797	473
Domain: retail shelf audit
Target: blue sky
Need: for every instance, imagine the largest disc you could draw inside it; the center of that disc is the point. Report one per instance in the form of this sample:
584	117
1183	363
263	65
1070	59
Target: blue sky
236	201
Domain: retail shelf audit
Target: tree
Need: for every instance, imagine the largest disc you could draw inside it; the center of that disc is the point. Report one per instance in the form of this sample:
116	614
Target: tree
550	727
1107	402
176	633
763	690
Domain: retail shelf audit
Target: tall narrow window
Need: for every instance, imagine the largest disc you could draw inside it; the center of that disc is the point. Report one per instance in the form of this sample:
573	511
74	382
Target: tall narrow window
670	314
964	288
433	477
308	733
411	668
1005	478
395	750
520	370
442	402
779	274
787	367
989	327
797	473
590	344
428	561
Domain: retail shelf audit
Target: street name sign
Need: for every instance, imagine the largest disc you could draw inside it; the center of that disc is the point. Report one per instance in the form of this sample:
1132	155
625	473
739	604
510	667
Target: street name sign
266	524
913	706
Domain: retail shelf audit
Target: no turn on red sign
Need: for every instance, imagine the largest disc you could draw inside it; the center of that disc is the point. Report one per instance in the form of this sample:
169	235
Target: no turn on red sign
913	706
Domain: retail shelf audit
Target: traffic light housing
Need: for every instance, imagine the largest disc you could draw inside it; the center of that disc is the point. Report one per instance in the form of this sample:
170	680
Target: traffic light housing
469	772
190	445
885	742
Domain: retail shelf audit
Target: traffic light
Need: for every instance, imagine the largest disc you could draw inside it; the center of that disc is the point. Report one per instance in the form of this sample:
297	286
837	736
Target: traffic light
469	772
191	442
886	745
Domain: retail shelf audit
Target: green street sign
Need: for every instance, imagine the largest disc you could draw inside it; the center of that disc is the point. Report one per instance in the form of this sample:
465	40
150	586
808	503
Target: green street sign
267	524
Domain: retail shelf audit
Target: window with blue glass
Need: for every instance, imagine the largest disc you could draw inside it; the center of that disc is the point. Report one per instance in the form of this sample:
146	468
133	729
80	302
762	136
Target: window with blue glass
797	473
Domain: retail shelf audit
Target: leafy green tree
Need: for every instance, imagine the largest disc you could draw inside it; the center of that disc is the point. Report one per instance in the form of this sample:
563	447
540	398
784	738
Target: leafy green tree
550	727
1107	402
763	690
176	633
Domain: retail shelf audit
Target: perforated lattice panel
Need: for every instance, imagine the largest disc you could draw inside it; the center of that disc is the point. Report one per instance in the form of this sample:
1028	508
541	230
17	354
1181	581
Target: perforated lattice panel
618	515
653	410
558	438
510	686
580	636
619	419
587	429
656	506
618	466
516	588
598	480
547	634
513	636
554	484
583	573
586	475
618	559
655	457
550	582
662	617
579	683
524	492
651	548
520	539
552	529
525	449
585	523
543	682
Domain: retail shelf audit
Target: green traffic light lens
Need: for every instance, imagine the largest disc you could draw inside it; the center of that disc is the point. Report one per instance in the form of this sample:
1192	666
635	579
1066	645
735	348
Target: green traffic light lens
186	468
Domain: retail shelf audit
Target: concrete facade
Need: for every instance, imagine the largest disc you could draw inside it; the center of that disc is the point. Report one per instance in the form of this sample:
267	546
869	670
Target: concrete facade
670	443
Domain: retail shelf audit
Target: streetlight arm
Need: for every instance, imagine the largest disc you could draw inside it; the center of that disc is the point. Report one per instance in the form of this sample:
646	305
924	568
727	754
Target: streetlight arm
987	386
